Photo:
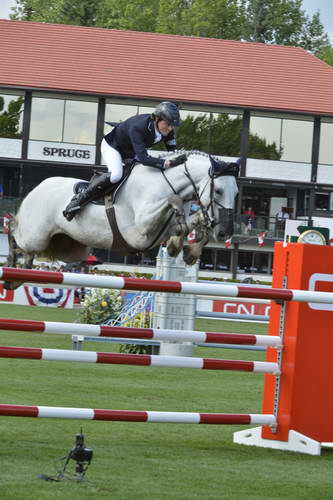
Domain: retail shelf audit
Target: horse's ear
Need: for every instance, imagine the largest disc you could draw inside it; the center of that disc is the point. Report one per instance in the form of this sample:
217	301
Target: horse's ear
220	167
214	167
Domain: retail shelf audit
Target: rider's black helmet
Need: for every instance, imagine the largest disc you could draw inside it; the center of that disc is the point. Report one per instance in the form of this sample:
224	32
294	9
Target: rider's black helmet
169	112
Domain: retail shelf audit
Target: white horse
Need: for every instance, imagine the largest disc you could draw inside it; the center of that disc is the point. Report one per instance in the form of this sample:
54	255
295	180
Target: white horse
150	207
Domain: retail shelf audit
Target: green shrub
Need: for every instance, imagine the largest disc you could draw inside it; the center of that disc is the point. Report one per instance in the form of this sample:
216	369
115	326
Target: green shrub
100	305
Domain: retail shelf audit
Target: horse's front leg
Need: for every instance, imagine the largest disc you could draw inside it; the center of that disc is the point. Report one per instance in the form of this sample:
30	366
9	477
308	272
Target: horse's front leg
176	243
193	251
181	228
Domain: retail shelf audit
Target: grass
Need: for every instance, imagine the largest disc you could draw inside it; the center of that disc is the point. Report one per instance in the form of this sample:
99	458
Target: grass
133	460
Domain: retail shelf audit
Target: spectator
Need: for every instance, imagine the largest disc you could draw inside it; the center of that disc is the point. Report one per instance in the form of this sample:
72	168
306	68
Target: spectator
281	218
249	219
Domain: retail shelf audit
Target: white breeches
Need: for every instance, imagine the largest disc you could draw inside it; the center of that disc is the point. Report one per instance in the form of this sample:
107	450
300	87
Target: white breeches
113	161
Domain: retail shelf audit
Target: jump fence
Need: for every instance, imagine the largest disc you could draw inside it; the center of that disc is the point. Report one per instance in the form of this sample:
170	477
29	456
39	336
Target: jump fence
93	281
137	359
166	417
296	412
55	327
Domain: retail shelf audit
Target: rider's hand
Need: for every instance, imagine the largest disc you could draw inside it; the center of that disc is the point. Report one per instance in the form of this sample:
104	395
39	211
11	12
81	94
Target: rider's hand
178	160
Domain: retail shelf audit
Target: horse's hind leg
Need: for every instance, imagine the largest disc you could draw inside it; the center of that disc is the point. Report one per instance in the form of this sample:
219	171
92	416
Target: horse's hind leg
12	260
28	260
12	249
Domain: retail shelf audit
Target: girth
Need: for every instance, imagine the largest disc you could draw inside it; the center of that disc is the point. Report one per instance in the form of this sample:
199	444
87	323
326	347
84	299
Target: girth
119	244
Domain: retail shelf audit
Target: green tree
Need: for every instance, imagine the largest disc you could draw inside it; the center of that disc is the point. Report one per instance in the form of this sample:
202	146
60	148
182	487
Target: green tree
216	19
36	10
326	55
76	12
10	118
83	13
213	19
138	15
220	135
171	17
284	22
313	36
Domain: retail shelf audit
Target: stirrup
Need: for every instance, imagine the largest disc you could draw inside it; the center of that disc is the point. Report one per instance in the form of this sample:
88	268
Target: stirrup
70	213
72	209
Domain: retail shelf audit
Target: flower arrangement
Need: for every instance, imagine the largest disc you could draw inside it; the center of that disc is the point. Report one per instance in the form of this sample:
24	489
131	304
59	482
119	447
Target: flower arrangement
100	305
141	320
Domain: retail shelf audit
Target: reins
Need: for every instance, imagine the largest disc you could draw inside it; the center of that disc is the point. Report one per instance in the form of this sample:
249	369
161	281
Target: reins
208	219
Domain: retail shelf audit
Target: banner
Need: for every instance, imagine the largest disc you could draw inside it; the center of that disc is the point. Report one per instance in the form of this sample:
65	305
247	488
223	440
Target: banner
38	296
235	306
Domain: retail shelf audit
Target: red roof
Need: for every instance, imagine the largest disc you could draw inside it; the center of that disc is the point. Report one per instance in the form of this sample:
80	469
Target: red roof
157	66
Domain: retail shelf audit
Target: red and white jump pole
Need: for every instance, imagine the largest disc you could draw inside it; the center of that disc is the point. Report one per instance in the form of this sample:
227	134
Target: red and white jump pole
136	416
137	359
93	281
138	333
297	410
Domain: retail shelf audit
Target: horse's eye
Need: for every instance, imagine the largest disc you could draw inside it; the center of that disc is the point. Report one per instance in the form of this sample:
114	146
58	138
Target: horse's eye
218	191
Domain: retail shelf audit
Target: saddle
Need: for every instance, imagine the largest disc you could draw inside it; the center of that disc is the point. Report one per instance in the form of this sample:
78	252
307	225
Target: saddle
111	191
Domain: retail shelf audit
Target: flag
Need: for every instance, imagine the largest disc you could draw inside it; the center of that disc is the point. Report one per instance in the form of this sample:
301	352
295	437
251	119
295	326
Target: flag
51	297
6	220
192	237
261	238
227	243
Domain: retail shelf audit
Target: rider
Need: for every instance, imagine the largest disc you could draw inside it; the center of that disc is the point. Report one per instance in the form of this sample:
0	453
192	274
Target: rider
129	140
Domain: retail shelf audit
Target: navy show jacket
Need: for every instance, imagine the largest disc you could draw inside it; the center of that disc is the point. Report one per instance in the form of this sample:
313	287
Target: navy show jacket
133	136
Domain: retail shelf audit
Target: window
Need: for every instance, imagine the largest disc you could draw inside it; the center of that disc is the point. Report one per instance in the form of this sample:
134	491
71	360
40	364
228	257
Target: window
324	201
326	143
116	113
11	116
63	120
280	139
214	133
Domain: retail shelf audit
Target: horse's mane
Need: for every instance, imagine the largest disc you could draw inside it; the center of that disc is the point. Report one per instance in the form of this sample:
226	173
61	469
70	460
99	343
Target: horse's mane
192	152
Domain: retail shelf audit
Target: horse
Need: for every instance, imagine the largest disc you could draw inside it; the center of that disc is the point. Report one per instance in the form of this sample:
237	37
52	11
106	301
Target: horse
150	207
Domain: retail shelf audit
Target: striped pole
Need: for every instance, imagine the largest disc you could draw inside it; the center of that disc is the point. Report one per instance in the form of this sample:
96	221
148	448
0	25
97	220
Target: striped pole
138	359
165	417
139	333
93	281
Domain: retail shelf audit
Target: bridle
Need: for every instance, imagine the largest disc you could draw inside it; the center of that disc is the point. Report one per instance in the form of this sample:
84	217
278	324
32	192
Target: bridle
210	220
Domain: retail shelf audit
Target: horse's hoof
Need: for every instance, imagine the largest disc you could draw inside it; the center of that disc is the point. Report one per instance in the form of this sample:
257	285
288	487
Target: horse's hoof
190	260
181	229
172	250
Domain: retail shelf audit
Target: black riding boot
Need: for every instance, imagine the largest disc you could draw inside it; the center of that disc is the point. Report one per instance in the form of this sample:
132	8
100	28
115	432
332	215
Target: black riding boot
96	187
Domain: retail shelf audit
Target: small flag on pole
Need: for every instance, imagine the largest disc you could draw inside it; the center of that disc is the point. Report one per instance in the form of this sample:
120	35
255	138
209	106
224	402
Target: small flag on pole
6	220
192	237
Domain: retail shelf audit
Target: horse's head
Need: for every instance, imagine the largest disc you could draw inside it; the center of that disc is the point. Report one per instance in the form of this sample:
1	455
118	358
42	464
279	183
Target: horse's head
219	197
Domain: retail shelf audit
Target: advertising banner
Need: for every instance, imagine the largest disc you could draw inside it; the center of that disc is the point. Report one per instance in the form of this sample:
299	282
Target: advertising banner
38	296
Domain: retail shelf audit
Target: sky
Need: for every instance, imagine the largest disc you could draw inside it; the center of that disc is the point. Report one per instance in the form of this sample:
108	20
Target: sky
310	6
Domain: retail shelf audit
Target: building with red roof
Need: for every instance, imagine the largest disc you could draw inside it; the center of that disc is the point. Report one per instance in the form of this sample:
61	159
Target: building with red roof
59	84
